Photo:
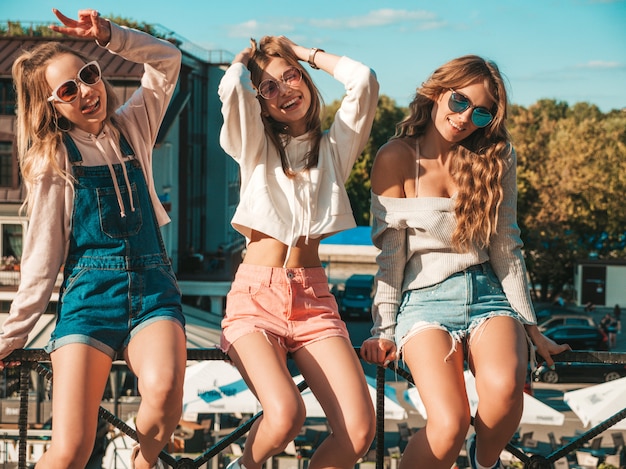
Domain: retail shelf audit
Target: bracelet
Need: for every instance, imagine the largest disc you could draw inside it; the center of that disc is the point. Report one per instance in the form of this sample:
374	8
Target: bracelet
311	61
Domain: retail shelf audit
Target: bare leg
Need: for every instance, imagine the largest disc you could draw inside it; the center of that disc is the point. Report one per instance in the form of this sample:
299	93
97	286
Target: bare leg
157	355
441	386
334	374
262	363
498	357
80	376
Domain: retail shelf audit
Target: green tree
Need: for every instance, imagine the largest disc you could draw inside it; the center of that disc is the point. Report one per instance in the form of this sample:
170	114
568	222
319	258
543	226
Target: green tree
571	162
17	29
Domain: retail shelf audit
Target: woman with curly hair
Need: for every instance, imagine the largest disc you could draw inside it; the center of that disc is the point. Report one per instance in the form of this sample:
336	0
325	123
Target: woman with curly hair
451	283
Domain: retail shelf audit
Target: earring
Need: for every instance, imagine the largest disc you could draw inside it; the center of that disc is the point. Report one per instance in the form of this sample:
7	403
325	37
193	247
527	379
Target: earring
62	123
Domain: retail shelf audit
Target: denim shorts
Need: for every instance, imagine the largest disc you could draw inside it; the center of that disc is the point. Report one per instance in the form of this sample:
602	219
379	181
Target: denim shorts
294	306
458	305
105	308
117	276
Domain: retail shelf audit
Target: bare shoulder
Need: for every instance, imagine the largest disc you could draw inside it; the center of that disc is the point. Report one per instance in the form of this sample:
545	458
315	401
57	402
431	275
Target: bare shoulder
394	163
396	151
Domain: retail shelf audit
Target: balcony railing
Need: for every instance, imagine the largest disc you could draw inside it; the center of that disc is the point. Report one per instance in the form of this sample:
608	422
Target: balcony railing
36	359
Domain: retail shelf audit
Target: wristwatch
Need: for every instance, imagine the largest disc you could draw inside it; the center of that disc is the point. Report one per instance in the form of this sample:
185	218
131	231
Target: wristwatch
311	61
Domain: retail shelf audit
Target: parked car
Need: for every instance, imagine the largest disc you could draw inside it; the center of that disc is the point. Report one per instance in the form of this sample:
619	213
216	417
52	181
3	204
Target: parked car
566	319
544	313
357	297
579	337
576	372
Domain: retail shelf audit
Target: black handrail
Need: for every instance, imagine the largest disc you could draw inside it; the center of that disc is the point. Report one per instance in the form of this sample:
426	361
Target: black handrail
32	359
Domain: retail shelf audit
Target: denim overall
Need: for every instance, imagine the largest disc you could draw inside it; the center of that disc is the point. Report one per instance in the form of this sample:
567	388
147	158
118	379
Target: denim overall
117	276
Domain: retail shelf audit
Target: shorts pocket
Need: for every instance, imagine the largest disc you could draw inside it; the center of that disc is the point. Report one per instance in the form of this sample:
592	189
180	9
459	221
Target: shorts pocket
72	278
321	290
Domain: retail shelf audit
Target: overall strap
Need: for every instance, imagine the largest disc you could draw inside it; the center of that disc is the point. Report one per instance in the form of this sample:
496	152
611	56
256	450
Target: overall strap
72	150
125	147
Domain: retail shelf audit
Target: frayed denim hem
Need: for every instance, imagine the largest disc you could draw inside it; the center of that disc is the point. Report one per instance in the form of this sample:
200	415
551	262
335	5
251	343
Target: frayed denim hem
456	337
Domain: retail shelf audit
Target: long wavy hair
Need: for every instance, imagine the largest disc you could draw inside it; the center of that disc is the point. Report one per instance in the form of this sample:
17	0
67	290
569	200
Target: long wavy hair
480	160
267	49
39	126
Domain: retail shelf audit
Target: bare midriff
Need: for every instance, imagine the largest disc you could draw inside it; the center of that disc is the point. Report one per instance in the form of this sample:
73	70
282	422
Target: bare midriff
267	251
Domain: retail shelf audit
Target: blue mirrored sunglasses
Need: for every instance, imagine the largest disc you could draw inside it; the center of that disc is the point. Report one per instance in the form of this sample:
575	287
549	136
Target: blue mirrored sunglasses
481	117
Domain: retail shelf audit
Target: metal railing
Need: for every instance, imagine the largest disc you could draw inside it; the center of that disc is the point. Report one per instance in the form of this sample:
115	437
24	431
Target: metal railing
34	359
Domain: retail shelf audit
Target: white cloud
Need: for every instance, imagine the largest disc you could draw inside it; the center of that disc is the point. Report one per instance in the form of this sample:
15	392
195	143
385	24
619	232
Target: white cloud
407	19
256	29
599	65
247	29
383	17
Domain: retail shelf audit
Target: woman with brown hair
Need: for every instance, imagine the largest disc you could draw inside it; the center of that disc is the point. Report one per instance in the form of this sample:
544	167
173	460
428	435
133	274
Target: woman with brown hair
451	284
292	196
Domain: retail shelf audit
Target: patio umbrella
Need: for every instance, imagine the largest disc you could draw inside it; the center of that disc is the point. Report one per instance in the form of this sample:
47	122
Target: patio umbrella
216	387
393	409
594	404
535	411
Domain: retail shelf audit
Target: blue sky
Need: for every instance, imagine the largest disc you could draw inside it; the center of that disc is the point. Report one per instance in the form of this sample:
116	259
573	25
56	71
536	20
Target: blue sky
570	51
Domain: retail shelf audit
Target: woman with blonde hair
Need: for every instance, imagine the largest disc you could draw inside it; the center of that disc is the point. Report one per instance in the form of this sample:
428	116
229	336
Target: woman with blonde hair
93	209
451	283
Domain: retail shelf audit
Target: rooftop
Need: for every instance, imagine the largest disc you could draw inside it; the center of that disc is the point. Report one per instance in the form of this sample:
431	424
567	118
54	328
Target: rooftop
116	67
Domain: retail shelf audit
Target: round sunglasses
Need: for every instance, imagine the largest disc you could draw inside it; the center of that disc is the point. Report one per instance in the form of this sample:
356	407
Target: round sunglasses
268	89
67	92
481	116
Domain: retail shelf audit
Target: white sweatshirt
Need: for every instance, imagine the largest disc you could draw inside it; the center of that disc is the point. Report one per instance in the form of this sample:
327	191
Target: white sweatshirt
315	202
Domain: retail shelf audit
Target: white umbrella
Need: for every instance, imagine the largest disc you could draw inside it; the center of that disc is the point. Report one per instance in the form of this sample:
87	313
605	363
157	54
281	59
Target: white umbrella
594	404
119	447
535	411
216	387
393	409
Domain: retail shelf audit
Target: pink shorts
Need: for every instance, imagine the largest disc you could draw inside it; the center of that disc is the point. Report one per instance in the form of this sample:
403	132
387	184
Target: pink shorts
293	305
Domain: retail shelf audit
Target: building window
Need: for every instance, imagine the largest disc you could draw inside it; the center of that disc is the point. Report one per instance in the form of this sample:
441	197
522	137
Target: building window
7	98
6	164
12	238
11	244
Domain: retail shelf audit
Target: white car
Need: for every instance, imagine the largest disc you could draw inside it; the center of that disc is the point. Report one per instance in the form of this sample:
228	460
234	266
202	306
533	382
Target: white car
567	319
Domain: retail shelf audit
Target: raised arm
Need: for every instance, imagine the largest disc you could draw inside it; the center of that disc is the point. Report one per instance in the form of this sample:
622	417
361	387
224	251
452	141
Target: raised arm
88	25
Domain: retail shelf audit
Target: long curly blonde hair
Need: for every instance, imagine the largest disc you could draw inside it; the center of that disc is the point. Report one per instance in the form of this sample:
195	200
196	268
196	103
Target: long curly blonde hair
39	126
268	48
480	160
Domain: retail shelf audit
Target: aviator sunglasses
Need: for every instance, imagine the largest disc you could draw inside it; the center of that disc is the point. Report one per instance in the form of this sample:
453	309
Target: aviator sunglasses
268	89
67	92
481	117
